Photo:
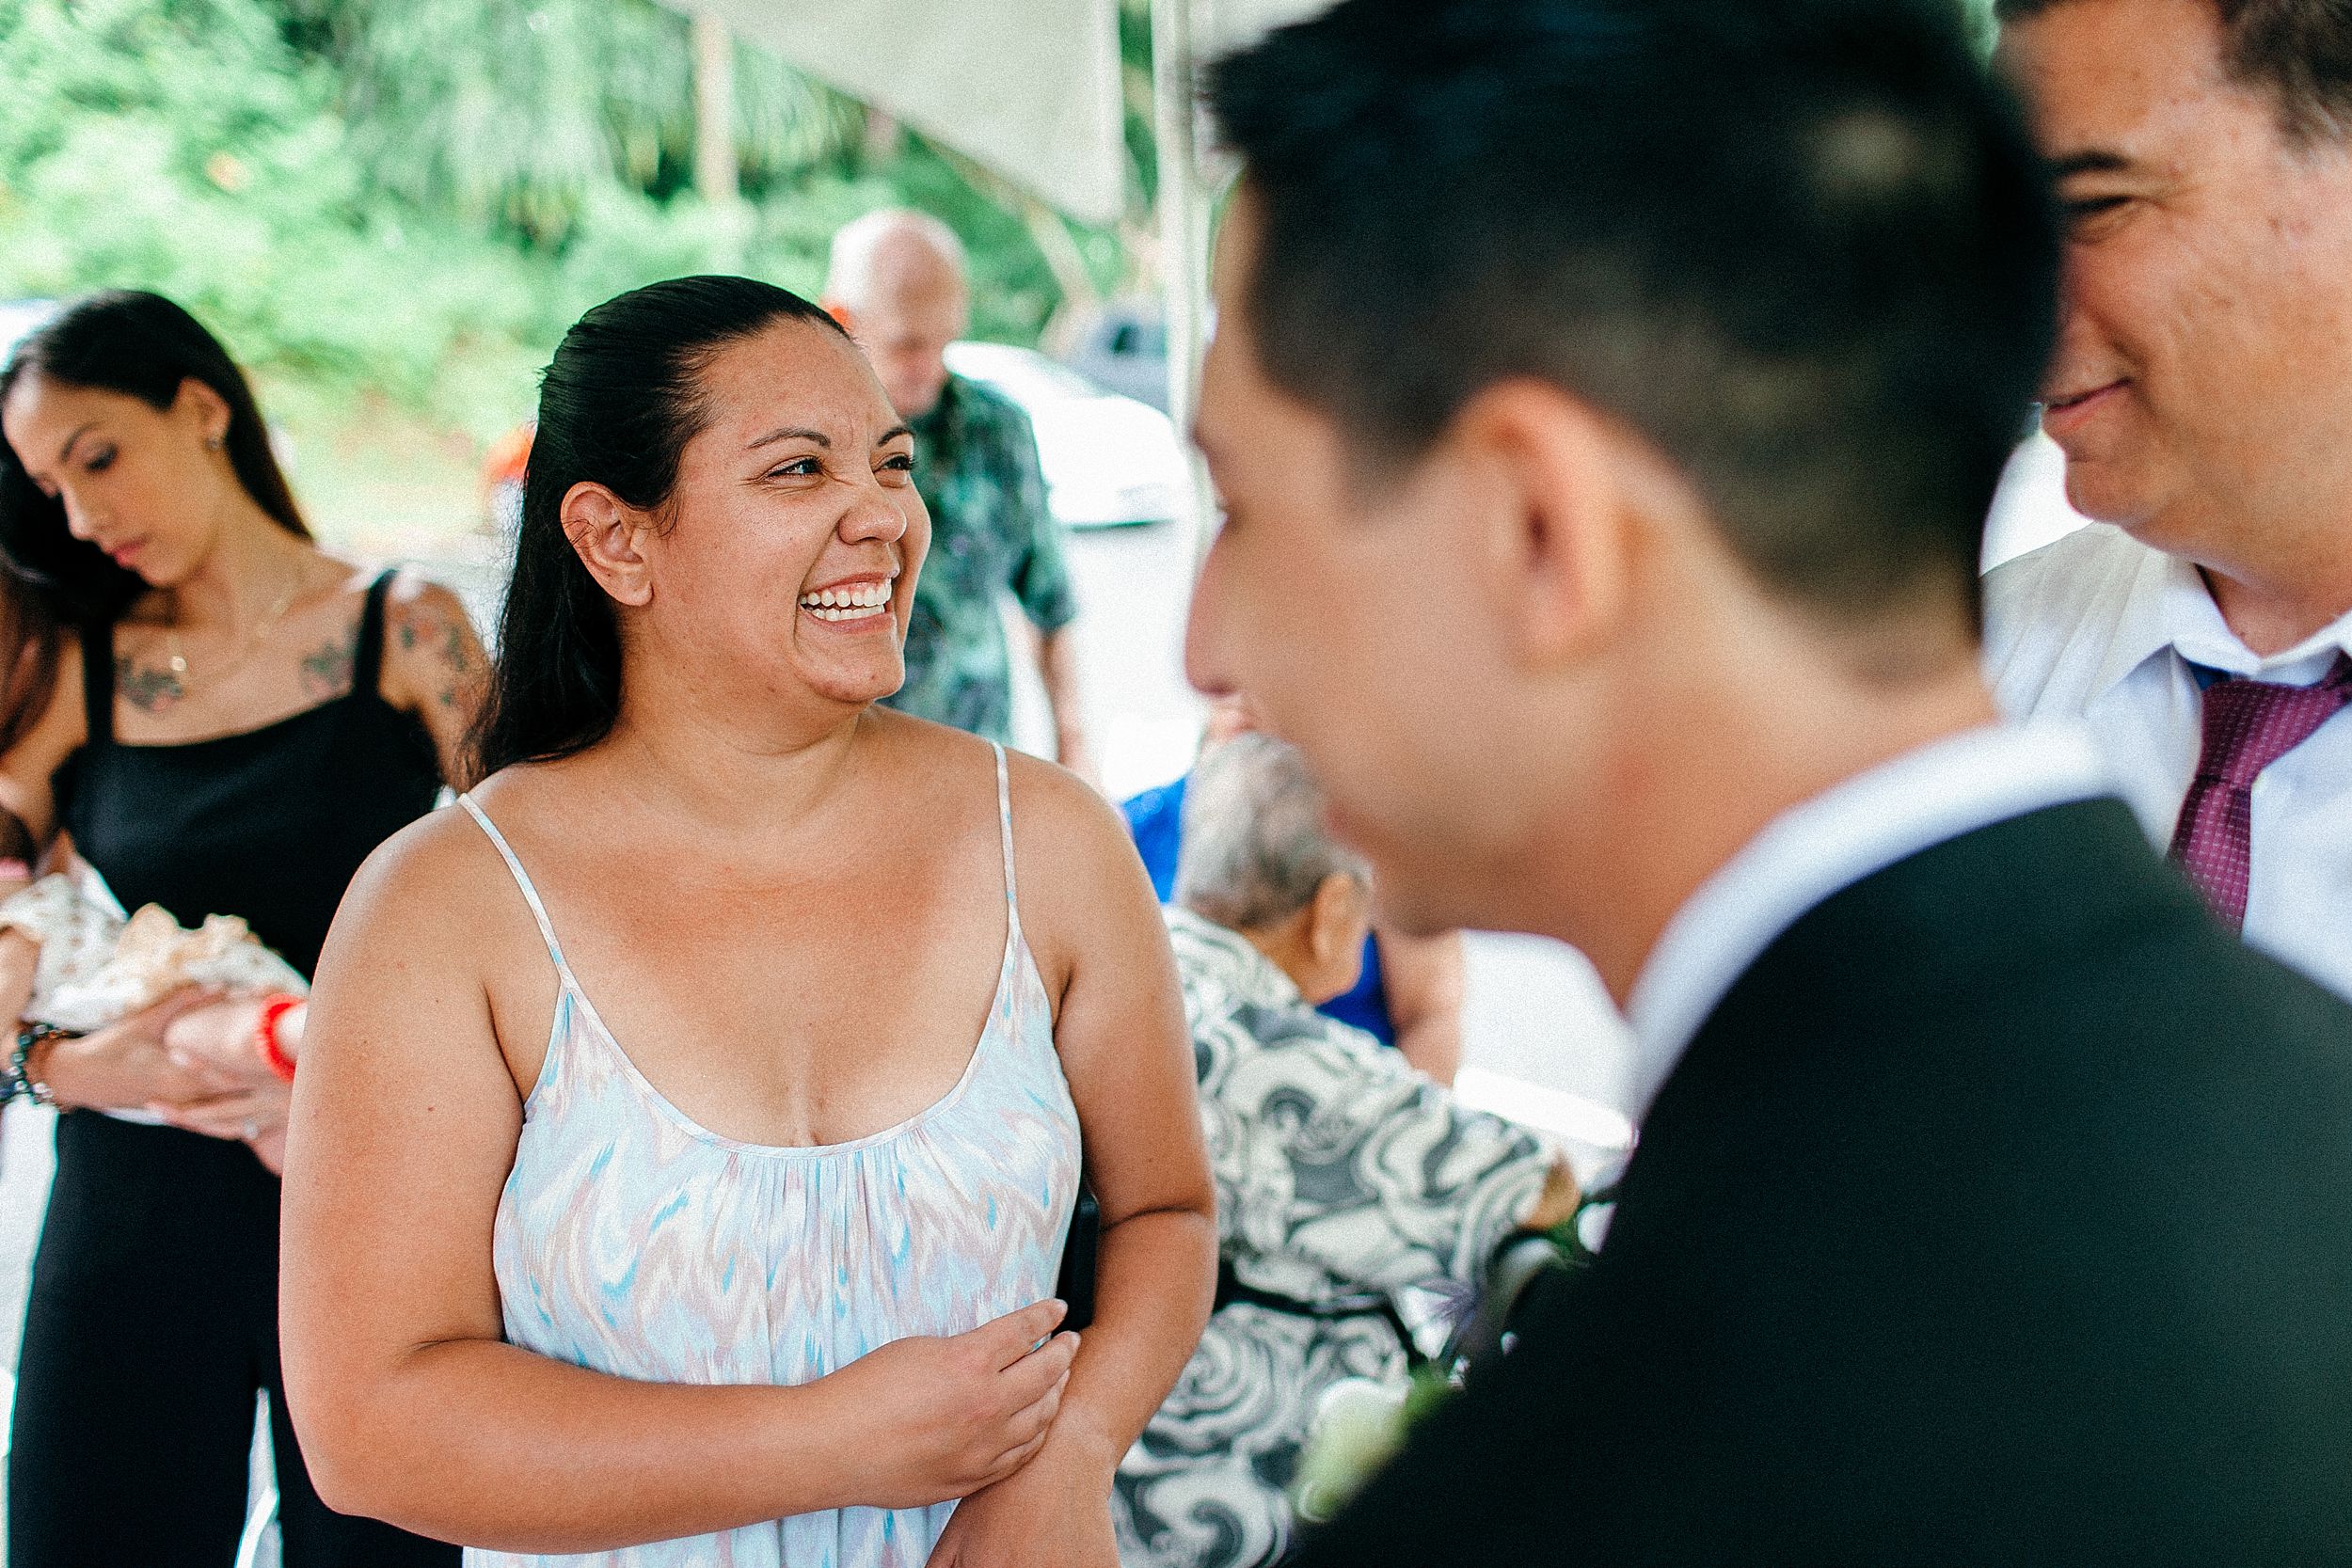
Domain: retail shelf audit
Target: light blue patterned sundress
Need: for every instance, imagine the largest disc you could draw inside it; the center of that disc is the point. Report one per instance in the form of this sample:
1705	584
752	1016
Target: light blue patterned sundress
632	1240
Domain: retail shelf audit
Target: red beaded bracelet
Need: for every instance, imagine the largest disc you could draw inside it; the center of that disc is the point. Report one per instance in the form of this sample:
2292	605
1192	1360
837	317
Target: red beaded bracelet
265	1034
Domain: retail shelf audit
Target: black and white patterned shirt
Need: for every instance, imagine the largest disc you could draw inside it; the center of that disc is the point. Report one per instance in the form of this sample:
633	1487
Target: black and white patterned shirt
1340	1171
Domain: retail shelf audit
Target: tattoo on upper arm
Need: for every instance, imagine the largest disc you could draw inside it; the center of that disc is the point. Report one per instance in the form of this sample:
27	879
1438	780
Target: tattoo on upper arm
446	640
326	670
150	689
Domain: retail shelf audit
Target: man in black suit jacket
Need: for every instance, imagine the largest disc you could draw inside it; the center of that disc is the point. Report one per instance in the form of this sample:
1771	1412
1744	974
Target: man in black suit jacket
1607	397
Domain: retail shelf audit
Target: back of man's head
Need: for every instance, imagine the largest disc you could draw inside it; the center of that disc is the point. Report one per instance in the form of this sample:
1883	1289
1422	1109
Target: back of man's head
1804	250
2298	50
1255	849
890	252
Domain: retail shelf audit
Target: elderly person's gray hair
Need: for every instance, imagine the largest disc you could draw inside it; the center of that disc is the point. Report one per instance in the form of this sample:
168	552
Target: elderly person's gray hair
1255	849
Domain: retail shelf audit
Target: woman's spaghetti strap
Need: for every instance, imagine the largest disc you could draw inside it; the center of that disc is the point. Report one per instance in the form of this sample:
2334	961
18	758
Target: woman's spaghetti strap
1003	824
522	881
367	656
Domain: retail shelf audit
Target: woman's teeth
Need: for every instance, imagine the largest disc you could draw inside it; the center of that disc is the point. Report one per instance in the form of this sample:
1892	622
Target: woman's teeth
848	603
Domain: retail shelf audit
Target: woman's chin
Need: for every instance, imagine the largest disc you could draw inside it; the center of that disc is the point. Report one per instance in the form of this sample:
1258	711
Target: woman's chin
860	687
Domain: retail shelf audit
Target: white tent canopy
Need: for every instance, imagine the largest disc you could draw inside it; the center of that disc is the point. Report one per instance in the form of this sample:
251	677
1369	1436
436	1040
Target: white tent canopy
1030	88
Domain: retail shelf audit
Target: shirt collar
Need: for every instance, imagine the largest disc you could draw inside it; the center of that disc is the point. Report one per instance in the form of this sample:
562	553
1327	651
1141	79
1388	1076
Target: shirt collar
2169	607
1835	839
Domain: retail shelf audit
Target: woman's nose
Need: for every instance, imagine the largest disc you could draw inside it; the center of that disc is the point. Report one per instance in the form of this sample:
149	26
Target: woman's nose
78	521
874	515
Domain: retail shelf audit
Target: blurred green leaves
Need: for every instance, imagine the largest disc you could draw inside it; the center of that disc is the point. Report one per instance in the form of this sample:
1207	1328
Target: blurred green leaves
414	198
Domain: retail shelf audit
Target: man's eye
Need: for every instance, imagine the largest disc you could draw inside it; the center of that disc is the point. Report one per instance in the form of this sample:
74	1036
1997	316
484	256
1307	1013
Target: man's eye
2091	206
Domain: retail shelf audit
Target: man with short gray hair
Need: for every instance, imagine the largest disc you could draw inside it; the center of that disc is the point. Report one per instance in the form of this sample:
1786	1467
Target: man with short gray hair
899	283
1343	1173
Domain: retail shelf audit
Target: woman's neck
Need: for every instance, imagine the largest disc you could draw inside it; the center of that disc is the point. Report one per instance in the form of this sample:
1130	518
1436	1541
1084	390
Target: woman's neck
717	775
254	569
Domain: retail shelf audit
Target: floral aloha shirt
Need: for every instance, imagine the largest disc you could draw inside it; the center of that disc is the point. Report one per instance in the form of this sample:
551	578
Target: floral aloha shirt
1340	1171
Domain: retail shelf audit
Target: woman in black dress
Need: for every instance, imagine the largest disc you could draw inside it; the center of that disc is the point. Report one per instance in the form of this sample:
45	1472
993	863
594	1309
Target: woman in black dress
221	719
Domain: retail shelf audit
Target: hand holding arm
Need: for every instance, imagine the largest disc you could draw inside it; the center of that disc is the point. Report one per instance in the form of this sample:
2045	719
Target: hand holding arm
1125	1048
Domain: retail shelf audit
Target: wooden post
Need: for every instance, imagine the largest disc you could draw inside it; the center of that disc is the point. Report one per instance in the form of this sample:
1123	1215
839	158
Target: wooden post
715	171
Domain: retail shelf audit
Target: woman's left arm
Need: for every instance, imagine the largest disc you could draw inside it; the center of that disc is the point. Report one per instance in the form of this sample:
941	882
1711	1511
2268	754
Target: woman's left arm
1100	943
433	667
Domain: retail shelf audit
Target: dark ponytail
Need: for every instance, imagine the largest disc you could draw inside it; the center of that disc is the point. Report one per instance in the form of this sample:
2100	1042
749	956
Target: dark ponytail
618	406
140	345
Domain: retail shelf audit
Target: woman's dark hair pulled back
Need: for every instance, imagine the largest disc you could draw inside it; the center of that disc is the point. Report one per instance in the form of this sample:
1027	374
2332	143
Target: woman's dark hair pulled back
619	402
139	345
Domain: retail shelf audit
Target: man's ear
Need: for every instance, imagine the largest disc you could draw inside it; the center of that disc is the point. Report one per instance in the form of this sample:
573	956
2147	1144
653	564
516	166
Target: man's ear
608	535
1335	915
1559	545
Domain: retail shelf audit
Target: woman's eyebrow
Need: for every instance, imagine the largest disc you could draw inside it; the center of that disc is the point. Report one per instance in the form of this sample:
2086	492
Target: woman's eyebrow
893	434
67	451
791	432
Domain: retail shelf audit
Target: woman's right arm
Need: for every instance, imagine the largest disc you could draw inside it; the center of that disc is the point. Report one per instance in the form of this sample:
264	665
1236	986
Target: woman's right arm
28	801
411	1407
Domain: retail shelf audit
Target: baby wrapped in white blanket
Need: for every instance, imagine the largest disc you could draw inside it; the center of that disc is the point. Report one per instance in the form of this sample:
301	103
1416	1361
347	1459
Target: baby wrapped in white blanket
96	966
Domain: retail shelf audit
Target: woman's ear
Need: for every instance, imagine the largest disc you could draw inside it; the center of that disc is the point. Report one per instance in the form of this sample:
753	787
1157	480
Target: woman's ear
608	535
207	409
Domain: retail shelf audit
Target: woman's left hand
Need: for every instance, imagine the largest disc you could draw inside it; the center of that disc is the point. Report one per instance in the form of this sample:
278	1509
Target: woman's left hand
221	1037
1053	1512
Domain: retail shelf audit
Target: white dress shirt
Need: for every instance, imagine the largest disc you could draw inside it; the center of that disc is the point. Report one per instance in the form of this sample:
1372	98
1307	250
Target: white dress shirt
2100	628
1829	843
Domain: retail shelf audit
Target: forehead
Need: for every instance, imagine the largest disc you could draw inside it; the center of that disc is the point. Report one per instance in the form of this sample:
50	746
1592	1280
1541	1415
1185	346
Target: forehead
794	372
1249	424
40	413
1231	379
2135	77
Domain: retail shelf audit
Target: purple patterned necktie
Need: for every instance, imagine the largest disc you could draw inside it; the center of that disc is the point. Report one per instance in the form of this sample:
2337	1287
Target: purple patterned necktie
2248	725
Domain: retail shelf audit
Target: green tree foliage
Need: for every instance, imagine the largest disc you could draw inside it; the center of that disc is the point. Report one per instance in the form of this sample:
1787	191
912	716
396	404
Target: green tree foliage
414	198
181	145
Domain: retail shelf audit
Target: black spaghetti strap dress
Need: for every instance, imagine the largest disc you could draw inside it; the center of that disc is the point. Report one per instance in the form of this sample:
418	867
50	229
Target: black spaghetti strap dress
153	1311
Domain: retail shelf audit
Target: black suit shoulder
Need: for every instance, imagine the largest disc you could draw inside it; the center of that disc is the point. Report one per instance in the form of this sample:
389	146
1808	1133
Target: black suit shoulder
2000	1213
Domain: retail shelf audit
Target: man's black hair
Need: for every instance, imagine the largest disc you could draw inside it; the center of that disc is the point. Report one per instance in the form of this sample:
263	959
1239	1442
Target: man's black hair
1806	250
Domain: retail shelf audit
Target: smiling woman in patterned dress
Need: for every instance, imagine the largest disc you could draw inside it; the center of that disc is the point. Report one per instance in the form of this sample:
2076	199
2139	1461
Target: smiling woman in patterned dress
650	1201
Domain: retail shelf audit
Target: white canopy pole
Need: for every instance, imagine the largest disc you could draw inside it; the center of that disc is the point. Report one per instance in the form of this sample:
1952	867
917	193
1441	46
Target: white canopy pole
1183	217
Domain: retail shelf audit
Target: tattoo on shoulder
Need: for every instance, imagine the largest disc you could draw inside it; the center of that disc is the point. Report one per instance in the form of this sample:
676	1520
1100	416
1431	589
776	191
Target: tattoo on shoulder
150	689
428	629
327	669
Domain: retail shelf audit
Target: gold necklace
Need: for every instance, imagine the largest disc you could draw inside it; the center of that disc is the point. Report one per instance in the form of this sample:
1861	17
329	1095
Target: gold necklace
178	660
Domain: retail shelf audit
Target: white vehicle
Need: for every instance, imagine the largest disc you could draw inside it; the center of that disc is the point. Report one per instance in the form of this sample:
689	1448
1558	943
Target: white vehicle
1109	461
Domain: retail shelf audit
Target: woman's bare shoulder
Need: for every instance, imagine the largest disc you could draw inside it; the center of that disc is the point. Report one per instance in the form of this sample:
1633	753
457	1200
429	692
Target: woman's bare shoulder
435	879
